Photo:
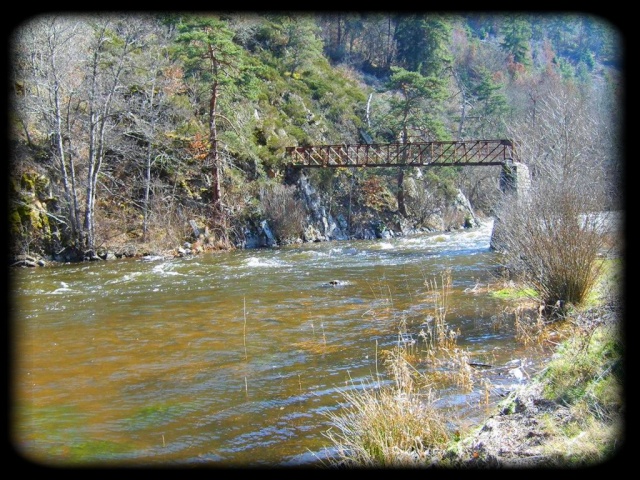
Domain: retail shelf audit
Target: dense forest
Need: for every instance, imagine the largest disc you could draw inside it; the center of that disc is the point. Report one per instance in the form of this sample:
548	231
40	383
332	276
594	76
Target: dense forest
135	133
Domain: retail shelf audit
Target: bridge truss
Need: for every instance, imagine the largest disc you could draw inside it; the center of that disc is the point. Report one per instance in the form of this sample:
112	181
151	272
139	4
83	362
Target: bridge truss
416	154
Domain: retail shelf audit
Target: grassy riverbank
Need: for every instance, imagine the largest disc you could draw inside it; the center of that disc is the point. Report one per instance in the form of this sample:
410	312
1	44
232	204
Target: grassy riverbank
571	414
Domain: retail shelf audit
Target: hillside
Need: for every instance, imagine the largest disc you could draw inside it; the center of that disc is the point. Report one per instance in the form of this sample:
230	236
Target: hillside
134	134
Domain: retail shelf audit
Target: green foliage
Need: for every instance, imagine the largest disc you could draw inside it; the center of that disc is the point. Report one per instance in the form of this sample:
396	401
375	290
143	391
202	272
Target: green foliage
516	33
218	66
514	294
276	88
588	369
205	37
444	180
29	223
423	43
489	94
418	107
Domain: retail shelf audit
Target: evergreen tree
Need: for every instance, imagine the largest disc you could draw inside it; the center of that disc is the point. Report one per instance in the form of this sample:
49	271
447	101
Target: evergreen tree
422	43
492	105
517	33
211	58
415	111
303	45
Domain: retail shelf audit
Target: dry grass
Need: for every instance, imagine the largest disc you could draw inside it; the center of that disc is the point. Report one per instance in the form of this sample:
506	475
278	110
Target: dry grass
386	427
398	424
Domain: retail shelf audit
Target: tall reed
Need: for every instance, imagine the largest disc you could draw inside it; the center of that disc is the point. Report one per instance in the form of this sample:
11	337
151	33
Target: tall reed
397	424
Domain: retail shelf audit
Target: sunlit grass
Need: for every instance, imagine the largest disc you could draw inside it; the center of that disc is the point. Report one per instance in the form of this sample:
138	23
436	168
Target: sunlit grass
586	376
608	285
583	443
398	424
577	370
515	293
386	427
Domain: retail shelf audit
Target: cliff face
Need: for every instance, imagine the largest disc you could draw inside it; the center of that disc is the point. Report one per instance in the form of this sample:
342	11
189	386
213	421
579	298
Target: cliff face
366	223
325	219
31	202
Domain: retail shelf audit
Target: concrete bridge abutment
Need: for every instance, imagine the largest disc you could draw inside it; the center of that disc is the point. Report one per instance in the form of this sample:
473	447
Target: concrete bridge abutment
515	182
515	179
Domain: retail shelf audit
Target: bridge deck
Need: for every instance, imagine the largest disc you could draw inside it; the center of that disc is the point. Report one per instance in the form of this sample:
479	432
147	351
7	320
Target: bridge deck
418	154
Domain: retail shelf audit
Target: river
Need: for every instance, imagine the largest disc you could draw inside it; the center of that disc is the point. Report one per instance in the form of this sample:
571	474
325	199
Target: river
234	359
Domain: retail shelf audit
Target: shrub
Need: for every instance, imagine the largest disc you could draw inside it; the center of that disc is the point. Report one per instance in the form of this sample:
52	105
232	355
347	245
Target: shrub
285	213
551	240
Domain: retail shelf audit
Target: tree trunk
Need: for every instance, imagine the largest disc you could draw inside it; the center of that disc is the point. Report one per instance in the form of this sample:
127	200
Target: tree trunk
402	209
213	154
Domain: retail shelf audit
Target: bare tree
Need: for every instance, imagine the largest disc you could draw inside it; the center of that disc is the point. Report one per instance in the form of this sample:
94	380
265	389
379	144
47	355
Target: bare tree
74	69
146	110
114	41
286	213
553	236
481	186
46	50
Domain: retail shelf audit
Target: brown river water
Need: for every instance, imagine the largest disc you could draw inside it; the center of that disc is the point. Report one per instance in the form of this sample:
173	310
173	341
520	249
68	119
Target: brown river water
234	359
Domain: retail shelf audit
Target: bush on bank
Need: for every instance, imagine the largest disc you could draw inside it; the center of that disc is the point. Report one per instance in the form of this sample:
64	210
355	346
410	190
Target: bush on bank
570	414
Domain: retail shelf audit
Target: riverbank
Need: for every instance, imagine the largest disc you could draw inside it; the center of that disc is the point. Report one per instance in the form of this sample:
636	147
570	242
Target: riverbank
543	425
571	414
203	244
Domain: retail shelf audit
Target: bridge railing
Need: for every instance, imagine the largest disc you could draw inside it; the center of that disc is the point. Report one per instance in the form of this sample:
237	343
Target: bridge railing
468	152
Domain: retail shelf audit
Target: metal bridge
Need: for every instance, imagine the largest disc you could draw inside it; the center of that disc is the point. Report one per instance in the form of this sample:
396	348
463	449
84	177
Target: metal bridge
411	154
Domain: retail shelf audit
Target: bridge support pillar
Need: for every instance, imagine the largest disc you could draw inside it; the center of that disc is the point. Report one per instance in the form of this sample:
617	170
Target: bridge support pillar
515	181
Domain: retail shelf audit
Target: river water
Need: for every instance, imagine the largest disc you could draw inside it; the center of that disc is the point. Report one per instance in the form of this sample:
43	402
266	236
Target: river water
234	359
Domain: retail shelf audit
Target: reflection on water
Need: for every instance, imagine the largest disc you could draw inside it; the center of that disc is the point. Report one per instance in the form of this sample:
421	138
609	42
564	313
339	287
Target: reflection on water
230	359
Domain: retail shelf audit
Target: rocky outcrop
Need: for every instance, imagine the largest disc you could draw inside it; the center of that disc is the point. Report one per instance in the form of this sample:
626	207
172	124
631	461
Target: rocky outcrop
462	205
27	261
323	225
35	206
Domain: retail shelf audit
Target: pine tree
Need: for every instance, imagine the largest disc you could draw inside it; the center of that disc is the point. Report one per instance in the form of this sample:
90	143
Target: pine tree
211	58
516	33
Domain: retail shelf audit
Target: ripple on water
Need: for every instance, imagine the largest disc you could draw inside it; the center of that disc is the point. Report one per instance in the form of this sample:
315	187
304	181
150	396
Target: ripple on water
235	357
262	262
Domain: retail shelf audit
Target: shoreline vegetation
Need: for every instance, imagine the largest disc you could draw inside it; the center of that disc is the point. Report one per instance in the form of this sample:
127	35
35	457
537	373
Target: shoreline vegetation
136	135
568	415
127	132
